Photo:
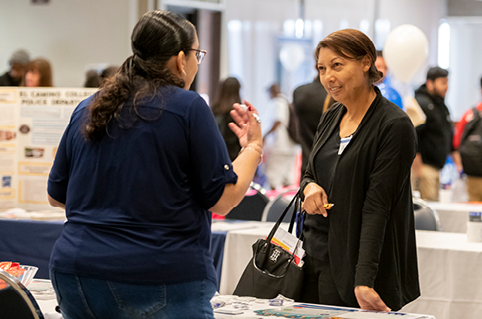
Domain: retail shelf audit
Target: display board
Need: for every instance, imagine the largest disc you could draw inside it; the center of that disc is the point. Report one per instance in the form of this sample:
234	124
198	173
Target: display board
32	121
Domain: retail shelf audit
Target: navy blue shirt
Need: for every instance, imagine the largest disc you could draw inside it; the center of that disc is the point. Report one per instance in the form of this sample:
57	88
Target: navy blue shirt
137	200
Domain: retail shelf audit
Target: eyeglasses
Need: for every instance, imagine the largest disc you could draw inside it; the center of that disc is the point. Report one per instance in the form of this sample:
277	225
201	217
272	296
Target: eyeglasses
200	54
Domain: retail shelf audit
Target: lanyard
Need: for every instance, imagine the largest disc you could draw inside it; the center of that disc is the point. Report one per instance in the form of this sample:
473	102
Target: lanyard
344	143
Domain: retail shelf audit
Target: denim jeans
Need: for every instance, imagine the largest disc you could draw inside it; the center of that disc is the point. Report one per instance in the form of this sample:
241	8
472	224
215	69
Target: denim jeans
81	297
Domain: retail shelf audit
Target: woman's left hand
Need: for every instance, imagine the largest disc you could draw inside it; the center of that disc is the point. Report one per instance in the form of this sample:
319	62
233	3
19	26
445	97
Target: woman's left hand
368	299
246	127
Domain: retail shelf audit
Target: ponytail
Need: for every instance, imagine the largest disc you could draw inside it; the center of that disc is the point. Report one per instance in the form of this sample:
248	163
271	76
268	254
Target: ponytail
157	37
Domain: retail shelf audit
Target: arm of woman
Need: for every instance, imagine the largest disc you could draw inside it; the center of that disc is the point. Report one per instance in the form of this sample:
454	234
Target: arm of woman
55	203
248	131
391	172
315	199
59	175
313	195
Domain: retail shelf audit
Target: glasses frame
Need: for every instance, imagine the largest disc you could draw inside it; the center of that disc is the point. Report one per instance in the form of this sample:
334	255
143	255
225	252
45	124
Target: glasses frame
200	54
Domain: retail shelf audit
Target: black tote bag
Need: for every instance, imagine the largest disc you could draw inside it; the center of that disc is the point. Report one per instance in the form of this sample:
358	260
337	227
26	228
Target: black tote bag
272	270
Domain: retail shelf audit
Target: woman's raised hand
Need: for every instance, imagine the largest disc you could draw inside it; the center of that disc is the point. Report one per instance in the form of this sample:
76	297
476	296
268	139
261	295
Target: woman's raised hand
247	126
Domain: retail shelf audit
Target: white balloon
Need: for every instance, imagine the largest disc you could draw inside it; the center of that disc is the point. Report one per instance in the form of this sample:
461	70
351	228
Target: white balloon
291	56
405	51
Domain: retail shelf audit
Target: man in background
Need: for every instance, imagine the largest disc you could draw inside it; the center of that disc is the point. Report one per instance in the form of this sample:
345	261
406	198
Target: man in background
468	140
280	149
308	102
18	61
434	137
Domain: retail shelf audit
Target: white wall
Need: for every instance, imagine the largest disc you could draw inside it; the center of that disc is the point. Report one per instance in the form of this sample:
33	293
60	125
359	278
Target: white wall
425	15
71	34
465	64
75	33
263	21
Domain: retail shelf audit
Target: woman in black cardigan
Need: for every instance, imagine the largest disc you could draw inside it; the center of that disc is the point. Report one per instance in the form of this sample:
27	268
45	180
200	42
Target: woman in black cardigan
361	252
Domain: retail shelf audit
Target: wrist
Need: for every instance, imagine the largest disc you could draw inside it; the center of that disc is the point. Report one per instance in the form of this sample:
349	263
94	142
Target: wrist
255	144
253	147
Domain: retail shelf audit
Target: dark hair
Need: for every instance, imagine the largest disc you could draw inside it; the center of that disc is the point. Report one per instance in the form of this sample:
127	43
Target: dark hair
436	72
352	44
92	79
156	37
481	82
42	66
228	95
108	72
274	89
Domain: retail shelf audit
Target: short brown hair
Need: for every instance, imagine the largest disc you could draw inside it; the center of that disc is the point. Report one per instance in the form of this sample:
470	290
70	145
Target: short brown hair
352	44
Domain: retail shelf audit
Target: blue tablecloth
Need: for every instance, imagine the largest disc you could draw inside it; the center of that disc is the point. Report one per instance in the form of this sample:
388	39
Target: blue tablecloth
30	243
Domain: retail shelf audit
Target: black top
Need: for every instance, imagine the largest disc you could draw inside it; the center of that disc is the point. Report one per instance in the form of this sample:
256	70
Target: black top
231	140
7	80
308	103
436	135
371	238
317	226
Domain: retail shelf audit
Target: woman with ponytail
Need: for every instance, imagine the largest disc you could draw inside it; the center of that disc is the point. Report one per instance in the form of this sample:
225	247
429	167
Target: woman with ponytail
139	170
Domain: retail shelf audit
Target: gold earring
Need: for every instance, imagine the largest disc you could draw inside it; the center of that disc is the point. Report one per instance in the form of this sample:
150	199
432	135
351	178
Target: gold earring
184	72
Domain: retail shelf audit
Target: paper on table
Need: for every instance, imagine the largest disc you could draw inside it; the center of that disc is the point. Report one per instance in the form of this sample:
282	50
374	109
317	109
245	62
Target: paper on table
381	315
42	289
321	311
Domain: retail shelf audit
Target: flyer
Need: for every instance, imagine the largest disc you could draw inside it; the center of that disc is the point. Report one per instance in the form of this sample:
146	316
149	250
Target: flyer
32	121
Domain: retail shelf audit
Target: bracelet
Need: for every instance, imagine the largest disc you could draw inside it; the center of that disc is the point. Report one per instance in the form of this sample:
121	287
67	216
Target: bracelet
259	150
254	144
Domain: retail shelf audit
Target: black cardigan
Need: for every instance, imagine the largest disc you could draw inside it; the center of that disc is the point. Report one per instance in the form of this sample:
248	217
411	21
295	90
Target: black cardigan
372	233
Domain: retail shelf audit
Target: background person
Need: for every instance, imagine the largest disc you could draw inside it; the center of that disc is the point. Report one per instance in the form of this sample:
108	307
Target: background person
280	149
38	73
138	170
17	62
362	252
92	79
385	86
308	101
228	95
474	174
108	72
435	136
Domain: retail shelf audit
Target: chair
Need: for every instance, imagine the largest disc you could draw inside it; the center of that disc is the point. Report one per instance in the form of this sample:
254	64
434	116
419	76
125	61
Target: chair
252	205
426	218
16	301
277	205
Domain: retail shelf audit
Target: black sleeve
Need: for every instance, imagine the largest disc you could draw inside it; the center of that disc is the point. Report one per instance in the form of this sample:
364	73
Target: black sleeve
391	172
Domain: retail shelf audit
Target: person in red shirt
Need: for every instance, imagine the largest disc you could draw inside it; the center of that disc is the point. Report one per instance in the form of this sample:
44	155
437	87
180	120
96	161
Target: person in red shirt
474	183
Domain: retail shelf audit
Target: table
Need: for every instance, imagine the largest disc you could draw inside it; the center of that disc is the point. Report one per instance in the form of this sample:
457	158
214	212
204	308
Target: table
449	269
30	242
454	216
238	252
339	312
48	308
450	276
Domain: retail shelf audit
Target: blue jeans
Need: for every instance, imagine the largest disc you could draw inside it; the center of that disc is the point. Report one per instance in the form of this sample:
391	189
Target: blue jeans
81	297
